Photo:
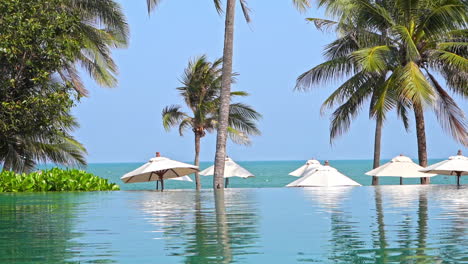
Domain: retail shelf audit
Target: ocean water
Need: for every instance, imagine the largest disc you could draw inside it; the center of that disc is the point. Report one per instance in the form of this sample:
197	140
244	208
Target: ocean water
268	174
385	224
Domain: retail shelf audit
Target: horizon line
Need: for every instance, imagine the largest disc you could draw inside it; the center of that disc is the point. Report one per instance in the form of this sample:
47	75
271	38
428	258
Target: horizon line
383	159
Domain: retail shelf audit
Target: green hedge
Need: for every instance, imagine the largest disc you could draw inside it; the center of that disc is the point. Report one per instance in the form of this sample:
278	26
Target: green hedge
54	180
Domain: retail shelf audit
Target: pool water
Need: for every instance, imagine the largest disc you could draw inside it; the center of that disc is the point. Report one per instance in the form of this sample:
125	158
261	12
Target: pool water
385	224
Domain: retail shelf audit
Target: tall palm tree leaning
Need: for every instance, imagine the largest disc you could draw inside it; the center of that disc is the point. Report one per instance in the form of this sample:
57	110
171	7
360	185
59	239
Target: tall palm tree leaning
201	93
222	129
407	44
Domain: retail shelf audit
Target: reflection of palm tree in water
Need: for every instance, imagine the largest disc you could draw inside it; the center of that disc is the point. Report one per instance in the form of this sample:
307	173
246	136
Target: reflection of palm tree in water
381	242
210	243
414	250
455	237
346	239
221	233
422	226
222	227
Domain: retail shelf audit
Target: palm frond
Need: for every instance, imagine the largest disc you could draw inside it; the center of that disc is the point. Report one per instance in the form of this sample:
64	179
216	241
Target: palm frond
413	85
323	24
301	5
455	61
448	15
171	116
152	4
402	113
219	8
449	114
239	93
245	10
383	100
348	89
238	137
328	71
412	52
372	59
185	124
343	115
244	111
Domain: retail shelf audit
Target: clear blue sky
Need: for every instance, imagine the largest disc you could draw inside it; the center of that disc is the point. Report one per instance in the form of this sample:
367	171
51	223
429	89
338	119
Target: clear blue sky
124	124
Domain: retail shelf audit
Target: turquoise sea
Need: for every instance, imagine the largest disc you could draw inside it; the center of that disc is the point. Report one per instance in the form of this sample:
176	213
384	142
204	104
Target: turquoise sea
268	174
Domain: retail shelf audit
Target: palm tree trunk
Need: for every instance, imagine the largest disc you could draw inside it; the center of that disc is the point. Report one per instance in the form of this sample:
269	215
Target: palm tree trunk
377	147
421	136
197	159
225	96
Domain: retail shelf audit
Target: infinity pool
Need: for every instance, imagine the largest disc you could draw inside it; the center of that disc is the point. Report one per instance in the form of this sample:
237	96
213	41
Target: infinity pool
387	224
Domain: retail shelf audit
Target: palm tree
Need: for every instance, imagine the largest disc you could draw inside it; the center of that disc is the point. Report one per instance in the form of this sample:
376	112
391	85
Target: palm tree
361	87
227	76
201	93
102	27
407	43
49	139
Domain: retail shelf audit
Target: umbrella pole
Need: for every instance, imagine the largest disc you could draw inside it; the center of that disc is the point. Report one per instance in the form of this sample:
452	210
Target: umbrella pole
162	184
401	180
226	182
157	185
458	178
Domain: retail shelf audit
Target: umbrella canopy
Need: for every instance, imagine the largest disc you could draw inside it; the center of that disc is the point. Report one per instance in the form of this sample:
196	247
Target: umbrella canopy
323	176
309	165
455	165
451	166
159	168
231	169
400	166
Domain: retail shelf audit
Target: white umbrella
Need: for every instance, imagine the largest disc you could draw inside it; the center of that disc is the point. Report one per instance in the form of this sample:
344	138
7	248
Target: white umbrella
309	165
231	169
325	176
400	166
455	165
159	169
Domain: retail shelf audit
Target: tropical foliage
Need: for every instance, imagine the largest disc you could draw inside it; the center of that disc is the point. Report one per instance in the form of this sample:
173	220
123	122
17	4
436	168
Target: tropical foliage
394	53
201	93
41	44
54	180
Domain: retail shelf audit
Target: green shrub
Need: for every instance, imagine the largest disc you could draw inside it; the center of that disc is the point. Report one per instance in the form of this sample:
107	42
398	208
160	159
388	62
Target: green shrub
54	180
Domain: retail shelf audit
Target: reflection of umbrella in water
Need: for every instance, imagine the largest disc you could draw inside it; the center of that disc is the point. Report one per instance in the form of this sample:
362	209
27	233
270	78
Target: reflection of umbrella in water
324	176
183	178
231	169
455	165
159	169
400	166
309	165
328	198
